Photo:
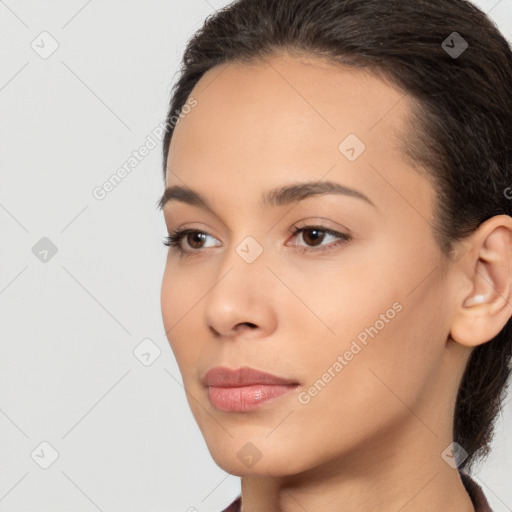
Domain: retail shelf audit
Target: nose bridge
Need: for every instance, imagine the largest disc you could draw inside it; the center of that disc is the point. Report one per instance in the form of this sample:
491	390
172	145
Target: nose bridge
242	290
244	267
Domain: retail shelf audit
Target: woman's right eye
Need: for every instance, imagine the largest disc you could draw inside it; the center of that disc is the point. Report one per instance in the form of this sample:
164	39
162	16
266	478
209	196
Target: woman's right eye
175	238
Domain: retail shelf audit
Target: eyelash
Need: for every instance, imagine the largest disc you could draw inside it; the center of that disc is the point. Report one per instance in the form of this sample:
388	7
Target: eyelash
174	239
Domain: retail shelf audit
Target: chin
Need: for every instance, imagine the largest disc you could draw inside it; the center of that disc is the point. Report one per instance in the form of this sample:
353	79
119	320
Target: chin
235	467
241	457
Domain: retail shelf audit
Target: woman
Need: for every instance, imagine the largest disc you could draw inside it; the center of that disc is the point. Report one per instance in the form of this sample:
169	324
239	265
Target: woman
338	283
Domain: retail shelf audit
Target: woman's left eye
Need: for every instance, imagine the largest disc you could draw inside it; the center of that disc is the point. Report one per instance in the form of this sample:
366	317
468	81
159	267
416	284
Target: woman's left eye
315	235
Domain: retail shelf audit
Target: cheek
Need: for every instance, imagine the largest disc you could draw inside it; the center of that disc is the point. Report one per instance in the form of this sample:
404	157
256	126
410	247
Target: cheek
181	290
375	385
180	294
387	331
168	298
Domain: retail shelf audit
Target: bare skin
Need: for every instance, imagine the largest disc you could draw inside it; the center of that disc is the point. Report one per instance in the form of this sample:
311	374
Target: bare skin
372	437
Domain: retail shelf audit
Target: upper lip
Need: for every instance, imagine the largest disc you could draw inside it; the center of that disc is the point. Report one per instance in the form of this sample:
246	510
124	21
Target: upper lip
221	376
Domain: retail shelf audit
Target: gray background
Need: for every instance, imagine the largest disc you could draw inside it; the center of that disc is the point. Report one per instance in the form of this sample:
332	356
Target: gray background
70	321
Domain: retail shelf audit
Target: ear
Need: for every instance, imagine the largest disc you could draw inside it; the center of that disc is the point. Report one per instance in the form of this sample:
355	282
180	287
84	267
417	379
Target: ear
486	269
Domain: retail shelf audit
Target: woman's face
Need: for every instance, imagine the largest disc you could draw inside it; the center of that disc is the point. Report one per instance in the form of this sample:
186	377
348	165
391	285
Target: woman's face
360	323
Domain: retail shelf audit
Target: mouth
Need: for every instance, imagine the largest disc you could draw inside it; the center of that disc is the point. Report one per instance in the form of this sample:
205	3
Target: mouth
245	398
244	389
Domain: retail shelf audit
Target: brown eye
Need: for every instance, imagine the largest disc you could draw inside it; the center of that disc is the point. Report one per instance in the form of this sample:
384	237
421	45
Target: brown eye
195	239
313	236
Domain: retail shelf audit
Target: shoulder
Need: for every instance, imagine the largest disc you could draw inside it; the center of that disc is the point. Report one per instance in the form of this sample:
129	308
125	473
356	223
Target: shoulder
475	493
236	506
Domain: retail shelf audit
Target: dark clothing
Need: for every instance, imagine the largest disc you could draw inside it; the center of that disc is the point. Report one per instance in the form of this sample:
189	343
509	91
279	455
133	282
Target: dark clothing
473	489
475	493
236	506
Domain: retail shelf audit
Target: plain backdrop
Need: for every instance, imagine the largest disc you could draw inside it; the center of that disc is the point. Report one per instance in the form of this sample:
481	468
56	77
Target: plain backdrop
93	415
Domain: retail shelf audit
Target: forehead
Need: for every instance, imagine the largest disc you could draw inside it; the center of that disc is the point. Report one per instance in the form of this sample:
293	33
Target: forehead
290	117
279	101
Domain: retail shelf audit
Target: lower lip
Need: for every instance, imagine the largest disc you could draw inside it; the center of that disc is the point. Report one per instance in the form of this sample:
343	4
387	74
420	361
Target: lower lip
245	398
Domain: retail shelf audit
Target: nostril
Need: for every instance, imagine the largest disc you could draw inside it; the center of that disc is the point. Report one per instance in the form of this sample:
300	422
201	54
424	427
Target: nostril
242	326
238	327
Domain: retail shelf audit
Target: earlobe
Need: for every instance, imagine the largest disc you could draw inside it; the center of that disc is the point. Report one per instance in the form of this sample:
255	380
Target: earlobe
486	308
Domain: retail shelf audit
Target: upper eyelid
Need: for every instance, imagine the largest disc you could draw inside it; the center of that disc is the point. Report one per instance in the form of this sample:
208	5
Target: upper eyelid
313	221
169	217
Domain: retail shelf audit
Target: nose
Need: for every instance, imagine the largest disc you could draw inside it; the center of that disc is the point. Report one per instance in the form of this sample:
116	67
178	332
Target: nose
242	300
240	327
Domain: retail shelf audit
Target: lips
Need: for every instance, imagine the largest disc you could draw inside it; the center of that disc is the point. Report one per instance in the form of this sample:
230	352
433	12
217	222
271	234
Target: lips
221	376
244	389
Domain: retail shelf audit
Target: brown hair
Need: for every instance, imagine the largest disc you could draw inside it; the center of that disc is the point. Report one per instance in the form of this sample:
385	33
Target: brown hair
462	121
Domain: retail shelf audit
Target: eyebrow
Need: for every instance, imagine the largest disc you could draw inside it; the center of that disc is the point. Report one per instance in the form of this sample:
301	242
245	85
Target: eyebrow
276	197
